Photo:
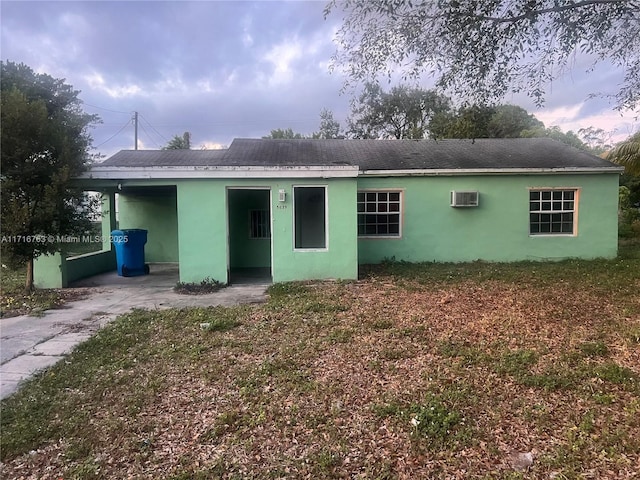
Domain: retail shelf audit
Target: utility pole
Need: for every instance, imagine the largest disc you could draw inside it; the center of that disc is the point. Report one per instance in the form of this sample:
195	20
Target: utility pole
135	126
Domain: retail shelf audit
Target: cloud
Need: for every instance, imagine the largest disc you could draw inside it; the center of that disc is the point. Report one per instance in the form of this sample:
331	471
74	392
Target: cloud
281	57
96	81
218	69
618	125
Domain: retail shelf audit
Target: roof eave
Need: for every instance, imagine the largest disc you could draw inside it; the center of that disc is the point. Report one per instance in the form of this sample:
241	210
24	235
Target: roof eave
435	172
181	172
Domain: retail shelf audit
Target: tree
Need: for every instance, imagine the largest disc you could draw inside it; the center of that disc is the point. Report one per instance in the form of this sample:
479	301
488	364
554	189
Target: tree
329	127
466	122
627	154
179	142
502	121
483	49
508	121
403	112
282	133
597	139
554	132
45	143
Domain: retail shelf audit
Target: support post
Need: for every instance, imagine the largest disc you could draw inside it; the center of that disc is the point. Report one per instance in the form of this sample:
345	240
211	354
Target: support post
135	127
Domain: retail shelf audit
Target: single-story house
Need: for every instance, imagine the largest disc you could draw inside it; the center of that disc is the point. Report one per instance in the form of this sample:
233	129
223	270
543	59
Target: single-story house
316	209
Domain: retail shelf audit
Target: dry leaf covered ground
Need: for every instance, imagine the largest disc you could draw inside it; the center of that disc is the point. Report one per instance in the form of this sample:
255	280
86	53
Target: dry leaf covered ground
414	371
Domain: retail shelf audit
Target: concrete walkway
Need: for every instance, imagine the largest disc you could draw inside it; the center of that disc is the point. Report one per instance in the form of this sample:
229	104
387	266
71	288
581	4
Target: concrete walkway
29	344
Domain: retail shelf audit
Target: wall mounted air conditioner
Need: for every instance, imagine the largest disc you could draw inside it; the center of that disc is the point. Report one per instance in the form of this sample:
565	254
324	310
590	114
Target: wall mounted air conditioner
464	199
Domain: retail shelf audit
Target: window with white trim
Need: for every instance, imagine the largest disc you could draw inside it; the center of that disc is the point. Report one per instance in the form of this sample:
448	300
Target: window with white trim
552	212
259	224
379	213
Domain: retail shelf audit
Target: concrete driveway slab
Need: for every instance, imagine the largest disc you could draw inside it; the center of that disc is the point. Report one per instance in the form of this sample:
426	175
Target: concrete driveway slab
28	344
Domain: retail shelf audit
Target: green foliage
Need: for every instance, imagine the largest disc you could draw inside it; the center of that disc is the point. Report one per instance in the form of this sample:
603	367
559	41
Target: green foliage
284	289
516	363
614	373
288	133
628	215
627	154
596	139
207	285
401	113
434	422
569	138
482	50
45	143
594	349
179	142
15	301
501	121
329	127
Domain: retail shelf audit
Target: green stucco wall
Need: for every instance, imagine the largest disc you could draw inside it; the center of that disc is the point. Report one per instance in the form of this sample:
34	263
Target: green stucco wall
157	213
58	271
497	230
196	224
203	230
339	260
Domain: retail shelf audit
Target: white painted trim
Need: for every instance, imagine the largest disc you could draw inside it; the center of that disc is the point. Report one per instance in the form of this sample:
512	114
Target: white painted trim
401	191
435	172
315	171
125	173
576	206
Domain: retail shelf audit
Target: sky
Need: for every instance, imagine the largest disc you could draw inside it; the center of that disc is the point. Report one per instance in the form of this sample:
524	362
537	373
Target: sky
226	69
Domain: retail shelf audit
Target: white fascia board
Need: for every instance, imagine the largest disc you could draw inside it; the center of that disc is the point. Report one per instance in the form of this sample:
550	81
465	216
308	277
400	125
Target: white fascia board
139	173
489	171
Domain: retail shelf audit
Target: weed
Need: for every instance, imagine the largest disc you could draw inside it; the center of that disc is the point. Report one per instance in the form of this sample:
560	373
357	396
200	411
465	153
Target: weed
614	373
384	410
381	324
341	335
594	349
468	352
285	289
324	462
219	324
633	335
435	422
603	398
208	285
517	363
551	381
86	470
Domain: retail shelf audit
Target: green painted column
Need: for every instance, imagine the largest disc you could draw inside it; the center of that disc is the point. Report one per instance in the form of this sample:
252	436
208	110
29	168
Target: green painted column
108	217
50	271
202	230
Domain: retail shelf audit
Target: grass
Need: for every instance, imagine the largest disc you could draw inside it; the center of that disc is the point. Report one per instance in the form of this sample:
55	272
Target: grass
414	371
14	301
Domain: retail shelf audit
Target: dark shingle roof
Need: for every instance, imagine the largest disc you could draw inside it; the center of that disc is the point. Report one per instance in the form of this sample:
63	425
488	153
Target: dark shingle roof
164	158
494	154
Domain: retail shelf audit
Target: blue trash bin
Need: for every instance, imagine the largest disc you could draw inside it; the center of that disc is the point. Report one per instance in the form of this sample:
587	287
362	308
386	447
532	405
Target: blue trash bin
129	245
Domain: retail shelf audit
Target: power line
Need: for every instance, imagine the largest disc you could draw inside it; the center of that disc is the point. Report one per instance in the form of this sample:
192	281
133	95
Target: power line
106	109
115	134
145	131
154	128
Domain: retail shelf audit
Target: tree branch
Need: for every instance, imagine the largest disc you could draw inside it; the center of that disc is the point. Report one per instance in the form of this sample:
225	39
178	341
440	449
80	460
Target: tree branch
557	9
